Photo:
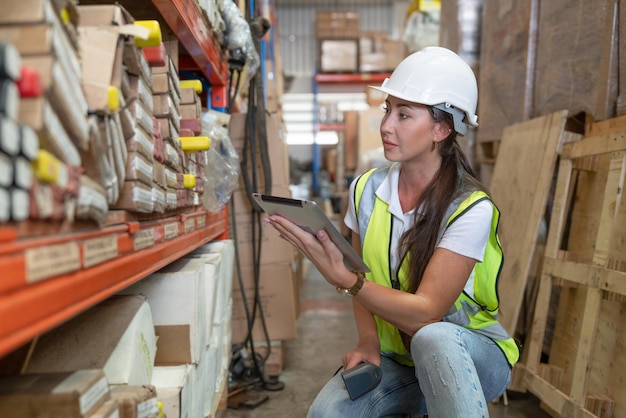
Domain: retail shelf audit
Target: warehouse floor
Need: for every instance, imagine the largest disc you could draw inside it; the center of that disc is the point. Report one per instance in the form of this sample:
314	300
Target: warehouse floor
325	332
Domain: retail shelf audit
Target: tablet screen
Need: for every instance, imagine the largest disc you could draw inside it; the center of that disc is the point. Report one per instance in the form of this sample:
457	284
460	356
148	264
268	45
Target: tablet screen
310	217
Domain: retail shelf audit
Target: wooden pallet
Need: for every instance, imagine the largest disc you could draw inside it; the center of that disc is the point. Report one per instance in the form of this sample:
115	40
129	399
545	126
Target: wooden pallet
585	262
520	187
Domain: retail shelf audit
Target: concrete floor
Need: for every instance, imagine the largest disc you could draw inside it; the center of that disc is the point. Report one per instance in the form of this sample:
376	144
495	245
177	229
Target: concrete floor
325	332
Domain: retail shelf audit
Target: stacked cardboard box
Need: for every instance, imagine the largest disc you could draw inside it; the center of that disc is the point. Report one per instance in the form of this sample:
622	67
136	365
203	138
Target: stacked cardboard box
189	301
79	394
18	144
50	103
166	338
337	33
217	356
275	278
107	120
337	24
379	53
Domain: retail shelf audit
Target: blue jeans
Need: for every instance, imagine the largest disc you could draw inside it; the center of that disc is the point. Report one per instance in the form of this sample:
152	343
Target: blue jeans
457	371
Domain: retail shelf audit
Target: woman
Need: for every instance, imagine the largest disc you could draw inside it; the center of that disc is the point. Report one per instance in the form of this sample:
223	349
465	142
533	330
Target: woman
427	311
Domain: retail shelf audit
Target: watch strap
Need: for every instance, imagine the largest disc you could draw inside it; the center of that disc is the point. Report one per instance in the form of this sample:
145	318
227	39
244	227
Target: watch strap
352	291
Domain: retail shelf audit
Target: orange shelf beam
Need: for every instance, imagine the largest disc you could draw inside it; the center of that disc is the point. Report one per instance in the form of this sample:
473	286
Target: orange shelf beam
34	309
351	78
332	127
185	18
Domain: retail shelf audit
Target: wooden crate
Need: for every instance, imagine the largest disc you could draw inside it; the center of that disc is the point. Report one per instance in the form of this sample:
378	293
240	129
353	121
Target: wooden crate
585	261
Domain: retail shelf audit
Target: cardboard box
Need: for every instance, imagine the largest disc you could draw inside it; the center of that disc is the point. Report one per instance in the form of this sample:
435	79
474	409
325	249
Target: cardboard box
395	52
160	83
141	143
369	130
215	273
66	98
276	145
37	113
190	111
136	401
31	39
176	296
198	380
134	61
139	168
103	15
213	370
339	55
135	196
102	31
174	389
109	409
117	335
188	96
101	63
27	11
226	250
277	299
337	23
140	89
66	394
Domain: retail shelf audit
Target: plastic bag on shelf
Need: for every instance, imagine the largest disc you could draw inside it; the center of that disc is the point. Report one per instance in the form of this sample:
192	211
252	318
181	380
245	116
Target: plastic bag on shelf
221	168
239	37
421	30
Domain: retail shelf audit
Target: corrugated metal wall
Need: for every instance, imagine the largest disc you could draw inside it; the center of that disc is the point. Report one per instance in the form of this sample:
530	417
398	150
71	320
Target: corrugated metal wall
296	28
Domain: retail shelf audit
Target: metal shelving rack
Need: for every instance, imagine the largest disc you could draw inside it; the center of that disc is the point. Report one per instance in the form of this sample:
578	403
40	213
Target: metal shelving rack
49	278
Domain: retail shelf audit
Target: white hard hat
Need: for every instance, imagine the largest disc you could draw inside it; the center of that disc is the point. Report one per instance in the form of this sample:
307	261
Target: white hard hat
438	77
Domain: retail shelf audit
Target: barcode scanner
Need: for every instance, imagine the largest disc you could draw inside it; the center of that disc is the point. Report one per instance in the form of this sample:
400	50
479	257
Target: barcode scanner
361	379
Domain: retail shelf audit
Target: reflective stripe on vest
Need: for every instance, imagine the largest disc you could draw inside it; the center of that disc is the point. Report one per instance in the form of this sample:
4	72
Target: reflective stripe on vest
476	307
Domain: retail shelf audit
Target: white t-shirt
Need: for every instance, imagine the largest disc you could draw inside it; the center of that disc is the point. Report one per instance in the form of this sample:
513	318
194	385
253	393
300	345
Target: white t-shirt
467	235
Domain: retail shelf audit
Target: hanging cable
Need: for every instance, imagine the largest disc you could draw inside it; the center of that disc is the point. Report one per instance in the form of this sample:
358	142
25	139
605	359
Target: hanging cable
255	146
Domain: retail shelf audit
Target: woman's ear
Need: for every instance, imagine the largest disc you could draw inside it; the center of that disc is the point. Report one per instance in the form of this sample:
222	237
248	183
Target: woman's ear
442	131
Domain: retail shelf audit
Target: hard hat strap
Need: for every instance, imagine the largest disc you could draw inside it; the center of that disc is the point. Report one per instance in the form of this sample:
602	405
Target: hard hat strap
457	116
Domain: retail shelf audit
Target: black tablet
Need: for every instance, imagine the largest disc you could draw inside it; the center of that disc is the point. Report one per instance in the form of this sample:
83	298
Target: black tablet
308	216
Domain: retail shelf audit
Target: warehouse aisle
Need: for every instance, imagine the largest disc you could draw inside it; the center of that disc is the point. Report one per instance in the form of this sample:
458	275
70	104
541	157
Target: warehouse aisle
326	331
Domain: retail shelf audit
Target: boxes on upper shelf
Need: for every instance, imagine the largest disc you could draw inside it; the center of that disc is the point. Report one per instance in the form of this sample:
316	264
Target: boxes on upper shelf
337	24
339	55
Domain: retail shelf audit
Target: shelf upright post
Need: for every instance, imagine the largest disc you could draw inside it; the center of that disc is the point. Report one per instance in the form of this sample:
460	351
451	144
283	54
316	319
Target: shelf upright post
316	148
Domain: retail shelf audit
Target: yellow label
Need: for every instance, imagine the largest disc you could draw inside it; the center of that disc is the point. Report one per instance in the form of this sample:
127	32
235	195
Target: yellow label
113	98
154	37
194	143
192	84
189	181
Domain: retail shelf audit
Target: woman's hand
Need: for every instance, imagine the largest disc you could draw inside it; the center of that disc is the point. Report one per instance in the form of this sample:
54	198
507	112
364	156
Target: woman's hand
361	354
322	252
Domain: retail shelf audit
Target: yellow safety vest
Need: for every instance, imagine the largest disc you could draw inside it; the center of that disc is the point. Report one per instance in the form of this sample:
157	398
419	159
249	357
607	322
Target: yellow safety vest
477	311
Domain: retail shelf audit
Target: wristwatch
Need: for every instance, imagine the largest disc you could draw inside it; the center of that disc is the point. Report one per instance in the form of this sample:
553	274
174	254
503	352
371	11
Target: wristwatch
352	291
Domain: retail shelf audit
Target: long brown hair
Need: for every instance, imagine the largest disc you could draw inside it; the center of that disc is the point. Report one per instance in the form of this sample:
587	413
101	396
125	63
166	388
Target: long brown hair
454	177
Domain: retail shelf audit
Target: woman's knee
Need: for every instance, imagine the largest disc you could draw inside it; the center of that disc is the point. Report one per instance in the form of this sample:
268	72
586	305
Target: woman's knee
432	335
